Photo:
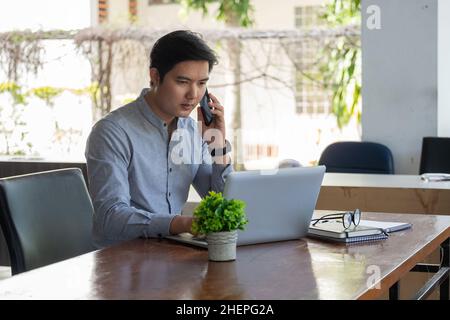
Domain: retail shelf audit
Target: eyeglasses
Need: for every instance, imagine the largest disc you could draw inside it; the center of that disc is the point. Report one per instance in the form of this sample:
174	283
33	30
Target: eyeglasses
347	217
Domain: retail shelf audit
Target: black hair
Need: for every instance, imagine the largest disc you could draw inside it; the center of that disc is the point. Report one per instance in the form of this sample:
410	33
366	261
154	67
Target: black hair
179	46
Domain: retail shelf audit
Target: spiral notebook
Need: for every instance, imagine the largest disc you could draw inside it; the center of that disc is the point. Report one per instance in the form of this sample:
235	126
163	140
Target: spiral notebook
335	231
358	239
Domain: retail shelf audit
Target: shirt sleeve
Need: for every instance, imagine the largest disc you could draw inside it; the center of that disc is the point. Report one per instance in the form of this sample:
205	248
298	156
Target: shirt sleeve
210	176
108	155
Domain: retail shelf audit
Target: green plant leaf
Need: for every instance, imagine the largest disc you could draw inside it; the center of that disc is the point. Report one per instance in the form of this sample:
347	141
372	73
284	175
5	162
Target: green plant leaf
216	214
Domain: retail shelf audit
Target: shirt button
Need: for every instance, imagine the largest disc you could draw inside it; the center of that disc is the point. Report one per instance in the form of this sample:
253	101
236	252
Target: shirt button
165	125
170	169
169	194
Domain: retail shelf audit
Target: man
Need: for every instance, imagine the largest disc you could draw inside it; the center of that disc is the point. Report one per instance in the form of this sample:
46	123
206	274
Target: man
140	169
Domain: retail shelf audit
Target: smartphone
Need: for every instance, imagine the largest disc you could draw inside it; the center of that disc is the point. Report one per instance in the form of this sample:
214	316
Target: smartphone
206	110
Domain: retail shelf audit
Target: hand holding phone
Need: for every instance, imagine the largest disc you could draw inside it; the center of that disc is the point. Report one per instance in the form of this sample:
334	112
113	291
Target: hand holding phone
208	116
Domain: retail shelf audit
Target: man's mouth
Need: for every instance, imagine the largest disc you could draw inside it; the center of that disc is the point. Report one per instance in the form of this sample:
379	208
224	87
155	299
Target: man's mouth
187	105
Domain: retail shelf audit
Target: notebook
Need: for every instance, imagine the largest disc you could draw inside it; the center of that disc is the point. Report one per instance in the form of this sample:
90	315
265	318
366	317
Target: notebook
279	205
335	231
385	225
352	239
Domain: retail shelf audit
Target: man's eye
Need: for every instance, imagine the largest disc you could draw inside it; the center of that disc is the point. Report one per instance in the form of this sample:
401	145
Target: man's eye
182	82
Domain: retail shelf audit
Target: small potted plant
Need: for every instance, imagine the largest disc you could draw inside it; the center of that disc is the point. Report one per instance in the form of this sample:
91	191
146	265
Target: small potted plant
219	219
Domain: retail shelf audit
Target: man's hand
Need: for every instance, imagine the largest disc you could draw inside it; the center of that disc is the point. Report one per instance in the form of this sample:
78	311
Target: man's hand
215	138
218	123
181	224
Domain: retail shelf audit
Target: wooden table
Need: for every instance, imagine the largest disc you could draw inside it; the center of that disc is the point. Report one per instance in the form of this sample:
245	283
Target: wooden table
300	269
383	193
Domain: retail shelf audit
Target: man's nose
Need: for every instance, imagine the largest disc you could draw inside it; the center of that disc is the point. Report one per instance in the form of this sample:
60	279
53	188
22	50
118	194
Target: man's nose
192	92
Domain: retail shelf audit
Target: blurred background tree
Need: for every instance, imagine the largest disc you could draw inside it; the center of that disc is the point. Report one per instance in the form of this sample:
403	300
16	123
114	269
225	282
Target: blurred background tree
342	62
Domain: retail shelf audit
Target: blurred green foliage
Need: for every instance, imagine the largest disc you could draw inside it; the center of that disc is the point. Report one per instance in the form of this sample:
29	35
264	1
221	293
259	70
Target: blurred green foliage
341	69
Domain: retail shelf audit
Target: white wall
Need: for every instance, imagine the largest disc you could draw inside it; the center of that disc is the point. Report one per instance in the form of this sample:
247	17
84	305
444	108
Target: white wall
118	13
93	7
444	68
278	14
400	77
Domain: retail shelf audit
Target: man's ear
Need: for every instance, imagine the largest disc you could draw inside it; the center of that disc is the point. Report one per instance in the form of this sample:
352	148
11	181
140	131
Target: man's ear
154	77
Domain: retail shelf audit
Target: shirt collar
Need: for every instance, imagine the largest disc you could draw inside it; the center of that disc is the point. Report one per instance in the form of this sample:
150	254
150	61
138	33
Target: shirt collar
151	116
148	112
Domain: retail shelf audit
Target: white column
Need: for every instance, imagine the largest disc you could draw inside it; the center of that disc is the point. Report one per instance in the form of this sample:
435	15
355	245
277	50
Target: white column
403	77
444	68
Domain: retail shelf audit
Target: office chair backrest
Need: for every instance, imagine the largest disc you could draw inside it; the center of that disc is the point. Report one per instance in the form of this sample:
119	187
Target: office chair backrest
357	157
435	157
46	217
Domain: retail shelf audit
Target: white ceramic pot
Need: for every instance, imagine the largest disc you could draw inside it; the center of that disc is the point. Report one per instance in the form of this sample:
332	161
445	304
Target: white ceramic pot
222	245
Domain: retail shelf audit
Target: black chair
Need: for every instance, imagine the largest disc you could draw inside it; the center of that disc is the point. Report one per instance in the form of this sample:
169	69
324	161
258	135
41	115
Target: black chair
357	157
46	217
435	157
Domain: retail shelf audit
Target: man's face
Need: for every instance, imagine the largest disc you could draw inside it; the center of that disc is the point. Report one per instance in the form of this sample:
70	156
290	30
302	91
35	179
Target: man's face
182	89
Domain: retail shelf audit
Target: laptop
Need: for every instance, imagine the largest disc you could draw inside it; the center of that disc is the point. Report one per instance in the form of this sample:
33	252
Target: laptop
279	204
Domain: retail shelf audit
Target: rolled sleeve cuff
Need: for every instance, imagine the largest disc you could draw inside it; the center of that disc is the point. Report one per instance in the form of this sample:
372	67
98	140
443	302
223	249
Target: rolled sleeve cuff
160	225
219	174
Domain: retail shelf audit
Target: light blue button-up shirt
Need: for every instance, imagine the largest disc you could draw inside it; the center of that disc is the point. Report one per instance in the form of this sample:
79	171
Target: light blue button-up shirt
138	179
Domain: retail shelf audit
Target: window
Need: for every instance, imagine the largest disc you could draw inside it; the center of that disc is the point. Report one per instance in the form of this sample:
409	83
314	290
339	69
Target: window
132	8
259	151
102	10
310	97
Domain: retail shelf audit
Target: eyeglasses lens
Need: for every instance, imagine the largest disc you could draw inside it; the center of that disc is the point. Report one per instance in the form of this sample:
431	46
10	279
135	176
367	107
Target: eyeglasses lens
347	219
357	216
